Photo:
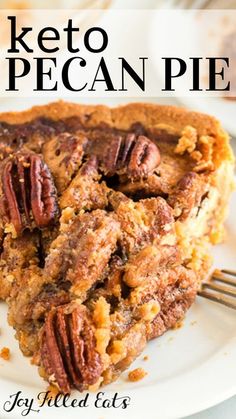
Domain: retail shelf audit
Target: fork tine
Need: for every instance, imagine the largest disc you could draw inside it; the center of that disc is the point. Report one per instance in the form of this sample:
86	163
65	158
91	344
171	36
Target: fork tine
218	292
220	277
219	288
229	272
218	299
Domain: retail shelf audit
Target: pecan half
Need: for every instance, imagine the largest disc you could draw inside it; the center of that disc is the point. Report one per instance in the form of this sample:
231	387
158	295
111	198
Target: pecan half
68	348
134	156
28	192
83	250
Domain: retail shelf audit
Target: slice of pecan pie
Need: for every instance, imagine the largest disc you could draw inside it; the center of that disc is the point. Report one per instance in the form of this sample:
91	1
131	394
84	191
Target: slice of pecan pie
106	219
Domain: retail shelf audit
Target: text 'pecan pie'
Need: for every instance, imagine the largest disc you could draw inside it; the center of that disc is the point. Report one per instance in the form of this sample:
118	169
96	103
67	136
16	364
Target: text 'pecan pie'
106	218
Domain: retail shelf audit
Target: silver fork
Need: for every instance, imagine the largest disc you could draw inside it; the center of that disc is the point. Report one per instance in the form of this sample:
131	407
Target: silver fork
221	288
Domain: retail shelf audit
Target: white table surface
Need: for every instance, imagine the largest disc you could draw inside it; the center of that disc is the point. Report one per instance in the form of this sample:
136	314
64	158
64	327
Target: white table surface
225	410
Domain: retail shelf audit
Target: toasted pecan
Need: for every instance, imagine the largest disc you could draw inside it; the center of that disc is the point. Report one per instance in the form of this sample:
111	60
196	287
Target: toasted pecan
134	156
28	193
68	350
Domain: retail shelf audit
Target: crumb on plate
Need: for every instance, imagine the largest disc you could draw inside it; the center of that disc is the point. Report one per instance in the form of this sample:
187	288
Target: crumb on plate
137	374
5	353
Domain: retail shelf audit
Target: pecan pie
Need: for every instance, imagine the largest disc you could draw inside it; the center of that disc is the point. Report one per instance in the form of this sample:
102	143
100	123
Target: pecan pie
106	219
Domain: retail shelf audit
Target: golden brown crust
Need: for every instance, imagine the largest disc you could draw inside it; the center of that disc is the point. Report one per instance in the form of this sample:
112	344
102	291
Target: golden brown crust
122	117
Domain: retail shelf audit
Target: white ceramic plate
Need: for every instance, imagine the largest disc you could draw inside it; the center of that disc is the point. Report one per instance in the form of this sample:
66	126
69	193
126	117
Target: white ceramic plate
189	369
